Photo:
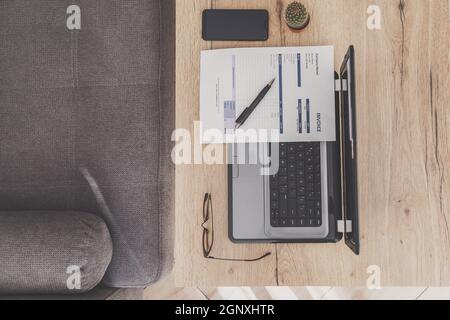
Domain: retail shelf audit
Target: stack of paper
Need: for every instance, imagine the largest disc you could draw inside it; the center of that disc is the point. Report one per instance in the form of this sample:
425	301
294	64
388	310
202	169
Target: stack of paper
299	107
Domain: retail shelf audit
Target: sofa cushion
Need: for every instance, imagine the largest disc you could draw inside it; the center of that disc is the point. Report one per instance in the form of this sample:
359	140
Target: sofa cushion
52	252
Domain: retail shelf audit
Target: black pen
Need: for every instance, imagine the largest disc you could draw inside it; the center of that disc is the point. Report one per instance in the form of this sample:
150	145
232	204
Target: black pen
248	111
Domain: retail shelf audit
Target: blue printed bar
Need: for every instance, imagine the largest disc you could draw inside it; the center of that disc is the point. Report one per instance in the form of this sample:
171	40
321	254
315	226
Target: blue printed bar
300	117
308	117
299	70
229	115
280	88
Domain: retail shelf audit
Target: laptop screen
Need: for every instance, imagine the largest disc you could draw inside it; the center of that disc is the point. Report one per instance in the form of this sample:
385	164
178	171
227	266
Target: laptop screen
349	151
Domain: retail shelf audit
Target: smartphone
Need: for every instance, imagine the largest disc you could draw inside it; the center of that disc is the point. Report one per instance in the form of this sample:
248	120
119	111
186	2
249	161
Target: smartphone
235	25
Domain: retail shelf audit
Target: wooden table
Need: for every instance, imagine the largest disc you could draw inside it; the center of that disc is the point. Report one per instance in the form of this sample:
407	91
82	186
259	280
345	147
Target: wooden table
403	101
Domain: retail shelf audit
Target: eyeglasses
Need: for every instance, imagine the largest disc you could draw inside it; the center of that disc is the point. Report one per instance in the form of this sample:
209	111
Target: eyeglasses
208	234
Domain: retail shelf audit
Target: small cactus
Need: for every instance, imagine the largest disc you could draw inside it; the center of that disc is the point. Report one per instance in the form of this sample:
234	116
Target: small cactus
296	16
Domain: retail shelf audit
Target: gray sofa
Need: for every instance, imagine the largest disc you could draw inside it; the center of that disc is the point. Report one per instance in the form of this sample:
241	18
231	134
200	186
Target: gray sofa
86	117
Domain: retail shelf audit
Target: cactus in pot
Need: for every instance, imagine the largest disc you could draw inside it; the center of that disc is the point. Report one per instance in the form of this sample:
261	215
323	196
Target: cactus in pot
296	16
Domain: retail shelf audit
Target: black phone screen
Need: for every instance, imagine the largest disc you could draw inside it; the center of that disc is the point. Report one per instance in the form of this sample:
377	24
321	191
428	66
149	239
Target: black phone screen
235	25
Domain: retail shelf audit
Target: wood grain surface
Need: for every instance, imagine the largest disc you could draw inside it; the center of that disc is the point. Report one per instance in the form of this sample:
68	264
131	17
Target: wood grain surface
403	106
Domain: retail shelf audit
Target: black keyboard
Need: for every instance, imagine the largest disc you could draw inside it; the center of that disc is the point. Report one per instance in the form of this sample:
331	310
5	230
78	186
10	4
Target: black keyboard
295	191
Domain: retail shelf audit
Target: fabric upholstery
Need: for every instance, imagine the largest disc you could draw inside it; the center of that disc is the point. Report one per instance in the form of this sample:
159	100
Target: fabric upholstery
167	123
85	122
52	252
100	292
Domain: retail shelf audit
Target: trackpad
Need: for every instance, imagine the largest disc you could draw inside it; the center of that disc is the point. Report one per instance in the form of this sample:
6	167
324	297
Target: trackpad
248	204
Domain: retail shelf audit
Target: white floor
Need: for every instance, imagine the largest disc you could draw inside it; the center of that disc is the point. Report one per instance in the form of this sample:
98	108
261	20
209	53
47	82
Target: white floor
166	290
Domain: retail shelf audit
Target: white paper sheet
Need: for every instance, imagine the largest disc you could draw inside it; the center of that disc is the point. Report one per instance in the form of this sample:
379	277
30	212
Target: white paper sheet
300	105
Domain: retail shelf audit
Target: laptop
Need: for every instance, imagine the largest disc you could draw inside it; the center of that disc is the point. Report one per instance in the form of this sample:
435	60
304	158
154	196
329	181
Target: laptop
312	196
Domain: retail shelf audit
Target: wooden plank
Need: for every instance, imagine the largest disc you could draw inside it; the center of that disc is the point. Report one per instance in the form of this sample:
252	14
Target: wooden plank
192	181
438	140
403	182
340	23
403	134
186	100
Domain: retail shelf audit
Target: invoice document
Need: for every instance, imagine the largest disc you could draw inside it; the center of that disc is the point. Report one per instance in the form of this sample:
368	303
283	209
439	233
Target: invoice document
299	107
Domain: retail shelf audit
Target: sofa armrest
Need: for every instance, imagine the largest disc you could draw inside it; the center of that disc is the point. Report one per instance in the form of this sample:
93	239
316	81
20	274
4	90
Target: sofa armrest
52	252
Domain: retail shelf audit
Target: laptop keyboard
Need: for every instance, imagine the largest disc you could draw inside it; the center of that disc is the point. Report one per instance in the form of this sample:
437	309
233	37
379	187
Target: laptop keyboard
295	191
